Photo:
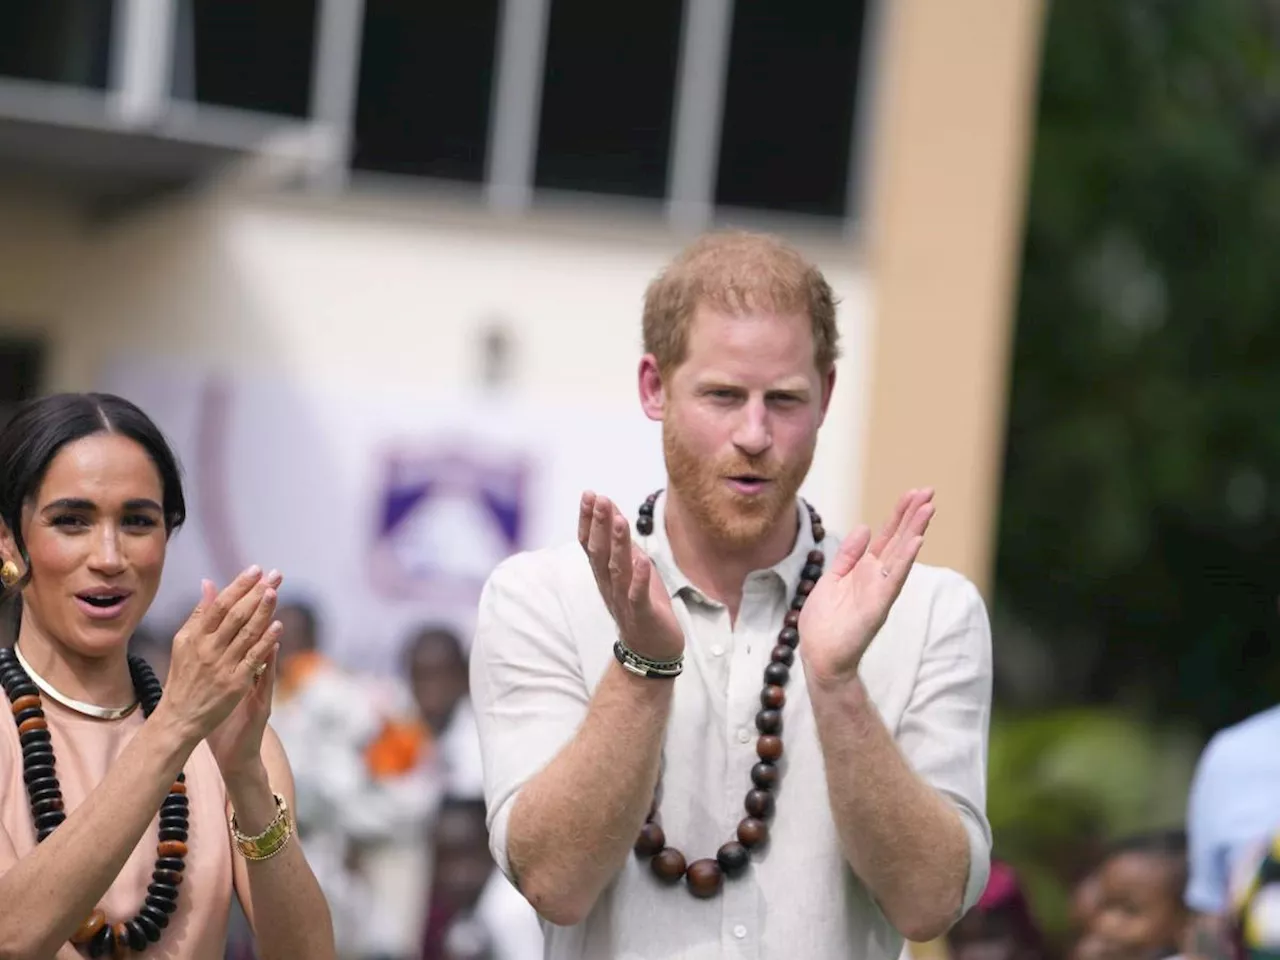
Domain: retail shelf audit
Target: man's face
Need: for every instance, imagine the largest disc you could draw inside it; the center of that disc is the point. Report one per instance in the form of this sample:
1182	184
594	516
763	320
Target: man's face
740	420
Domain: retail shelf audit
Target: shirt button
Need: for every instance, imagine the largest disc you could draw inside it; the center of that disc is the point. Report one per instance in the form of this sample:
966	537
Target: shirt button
717	651
744	735
739	931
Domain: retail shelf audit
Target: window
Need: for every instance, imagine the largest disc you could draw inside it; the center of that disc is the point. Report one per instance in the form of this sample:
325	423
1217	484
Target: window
57	41
426	75
21	369
255	54
789	104
607	96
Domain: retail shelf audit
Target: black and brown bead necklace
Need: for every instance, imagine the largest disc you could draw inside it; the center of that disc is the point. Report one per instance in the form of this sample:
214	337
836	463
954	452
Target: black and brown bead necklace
99	936
705	878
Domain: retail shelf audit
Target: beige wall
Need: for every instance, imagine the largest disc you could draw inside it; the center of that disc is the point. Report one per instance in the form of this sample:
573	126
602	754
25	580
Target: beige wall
949	157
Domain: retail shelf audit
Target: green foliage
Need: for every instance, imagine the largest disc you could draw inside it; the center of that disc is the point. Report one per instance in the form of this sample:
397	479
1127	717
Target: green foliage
1063	784
1140	508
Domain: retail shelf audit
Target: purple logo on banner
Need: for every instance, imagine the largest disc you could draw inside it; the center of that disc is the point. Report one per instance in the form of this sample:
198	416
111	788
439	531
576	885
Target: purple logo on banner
446	515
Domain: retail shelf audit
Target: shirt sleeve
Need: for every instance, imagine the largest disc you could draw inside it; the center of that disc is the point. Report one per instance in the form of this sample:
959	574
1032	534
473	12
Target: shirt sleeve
1207	868
944	730
527	686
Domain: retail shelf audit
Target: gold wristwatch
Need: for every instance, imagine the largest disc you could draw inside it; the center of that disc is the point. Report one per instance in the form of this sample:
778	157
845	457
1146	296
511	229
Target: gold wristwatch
270	841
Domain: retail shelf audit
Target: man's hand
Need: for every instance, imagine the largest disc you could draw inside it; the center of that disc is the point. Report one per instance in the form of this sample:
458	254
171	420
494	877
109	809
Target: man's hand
634	594
849	605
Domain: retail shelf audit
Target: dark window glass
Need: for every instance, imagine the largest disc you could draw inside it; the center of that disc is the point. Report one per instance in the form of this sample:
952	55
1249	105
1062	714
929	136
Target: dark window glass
426	81
607	96
255	54
789	103
56	41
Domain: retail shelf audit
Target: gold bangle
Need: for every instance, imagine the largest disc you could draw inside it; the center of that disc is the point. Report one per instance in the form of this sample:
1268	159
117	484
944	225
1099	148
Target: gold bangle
270	841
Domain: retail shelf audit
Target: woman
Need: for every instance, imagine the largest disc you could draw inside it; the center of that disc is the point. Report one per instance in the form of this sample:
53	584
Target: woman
91	749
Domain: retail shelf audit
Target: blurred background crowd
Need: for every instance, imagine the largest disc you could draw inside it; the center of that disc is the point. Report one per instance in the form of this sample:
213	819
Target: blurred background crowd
375	267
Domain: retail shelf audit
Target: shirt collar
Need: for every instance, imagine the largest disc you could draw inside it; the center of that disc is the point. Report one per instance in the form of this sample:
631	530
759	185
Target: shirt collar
658	547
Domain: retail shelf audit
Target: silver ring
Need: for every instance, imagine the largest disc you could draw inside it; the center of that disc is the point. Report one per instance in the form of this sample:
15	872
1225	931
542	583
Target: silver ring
258	670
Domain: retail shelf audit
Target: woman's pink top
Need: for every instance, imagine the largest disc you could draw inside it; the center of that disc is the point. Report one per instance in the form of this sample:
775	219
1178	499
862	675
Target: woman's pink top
84	750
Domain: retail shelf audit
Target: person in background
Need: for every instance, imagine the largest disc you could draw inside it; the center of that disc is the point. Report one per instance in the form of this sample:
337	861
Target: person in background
1139	914
1234	807
475	913
1000	926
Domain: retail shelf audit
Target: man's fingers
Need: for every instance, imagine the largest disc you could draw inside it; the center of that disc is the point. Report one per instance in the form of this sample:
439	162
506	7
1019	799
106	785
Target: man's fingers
218	609
620	556
852	549
585	509
913	524
891	525
641	574
599	543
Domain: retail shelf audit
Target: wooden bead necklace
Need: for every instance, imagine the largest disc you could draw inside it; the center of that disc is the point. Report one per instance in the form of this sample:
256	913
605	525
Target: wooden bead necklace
705	878
100	937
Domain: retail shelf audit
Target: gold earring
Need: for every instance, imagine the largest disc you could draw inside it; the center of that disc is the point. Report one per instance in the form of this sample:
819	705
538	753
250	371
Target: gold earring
9	573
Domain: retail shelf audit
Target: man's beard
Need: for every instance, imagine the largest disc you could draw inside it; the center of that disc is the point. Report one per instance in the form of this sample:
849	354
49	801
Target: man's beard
735	520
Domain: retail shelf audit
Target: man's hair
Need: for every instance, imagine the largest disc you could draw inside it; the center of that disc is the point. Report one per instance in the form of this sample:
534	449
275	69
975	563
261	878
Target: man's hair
734	272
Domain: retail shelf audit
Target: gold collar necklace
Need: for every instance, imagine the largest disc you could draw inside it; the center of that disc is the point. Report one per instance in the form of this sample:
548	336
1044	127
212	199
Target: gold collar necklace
88	709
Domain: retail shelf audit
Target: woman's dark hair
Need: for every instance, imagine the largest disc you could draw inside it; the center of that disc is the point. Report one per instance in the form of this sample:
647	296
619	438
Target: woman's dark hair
42	427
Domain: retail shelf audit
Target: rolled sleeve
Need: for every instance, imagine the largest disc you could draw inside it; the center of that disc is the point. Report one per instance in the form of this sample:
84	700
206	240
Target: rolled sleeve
527	686
944	730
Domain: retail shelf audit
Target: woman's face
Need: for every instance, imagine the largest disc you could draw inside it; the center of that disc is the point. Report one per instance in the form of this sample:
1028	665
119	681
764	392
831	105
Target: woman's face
96	539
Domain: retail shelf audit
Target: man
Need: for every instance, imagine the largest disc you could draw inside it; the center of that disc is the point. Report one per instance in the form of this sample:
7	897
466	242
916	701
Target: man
1233	818
872	824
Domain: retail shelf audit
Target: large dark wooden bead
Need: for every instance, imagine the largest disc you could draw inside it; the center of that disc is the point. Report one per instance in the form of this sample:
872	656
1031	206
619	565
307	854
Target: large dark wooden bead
155	915
816	556
23	688
764	775
170	877
173	833
41	807
733	858
149	928
162	890
789	636
777	674
651	840
644	526
33	736
47	821
137	939
89	929
769	748
646	508
31	713
791	619
44	783
174	822
170	863
668	865
819	533
167	906
122	938
811	571
34	753
769	721
805	587
797	602
38	772
103	943
752	832
773	697
175	803
45	793
705	878
783	655
760	804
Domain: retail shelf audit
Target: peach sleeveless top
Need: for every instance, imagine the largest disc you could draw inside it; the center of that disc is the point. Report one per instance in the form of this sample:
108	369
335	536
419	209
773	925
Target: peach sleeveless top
84	749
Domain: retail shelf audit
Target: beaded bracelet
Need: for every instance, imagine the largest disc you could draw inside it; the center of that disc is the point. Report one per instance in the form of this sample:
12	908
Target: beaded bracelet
643	666
270	841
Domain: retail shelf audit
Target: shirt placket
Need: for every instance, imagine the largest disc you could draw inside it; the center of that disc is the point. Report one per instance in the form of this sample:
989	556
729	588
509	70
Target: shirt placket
740	930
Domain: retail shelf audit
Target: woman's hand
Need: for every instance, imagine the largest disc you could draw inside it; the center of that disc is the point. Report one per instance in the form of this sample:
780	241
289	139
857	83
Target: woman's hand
216	652
237	741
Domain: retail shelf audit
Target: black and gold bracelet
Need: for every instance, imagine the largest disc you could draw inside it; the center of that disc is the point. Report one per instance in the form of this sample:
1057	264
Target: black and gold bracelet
643	666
